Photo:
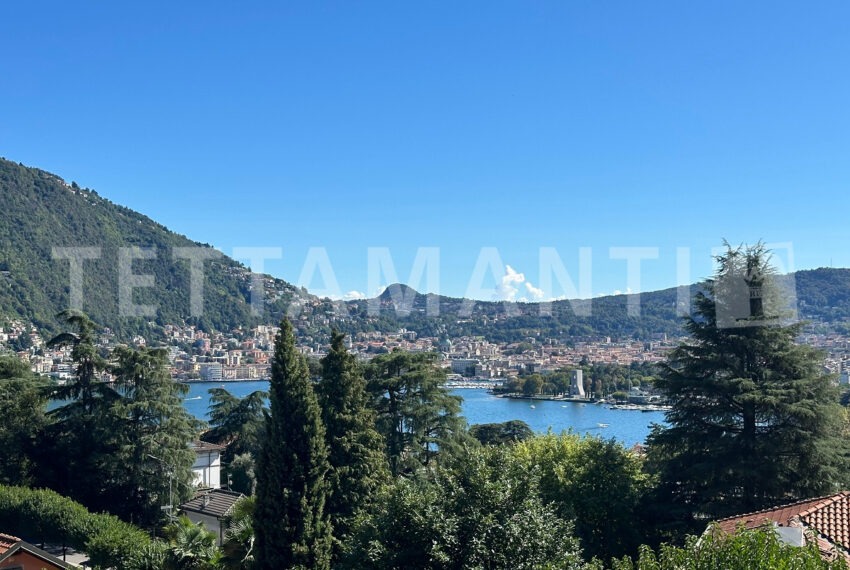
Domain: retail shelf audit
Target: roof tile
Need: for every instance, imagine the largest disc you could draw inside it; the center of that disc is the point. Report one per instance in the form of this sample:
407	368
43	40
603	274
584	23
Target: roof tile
828	516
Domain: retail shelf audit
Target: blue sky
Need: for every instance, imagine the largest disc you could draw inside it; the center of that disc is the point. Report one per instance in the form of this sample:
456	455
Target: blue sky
460	126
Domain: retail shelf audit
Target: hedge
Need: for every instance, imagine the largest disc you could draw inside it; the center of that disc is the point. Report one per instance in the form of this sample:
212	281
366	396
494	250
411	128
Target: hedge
42	515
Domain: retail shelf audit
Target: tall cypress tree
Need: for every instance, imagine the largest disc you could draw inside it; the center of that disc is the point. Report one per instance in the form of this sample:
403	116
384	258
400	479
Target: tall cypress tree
357	461
755	420
290	521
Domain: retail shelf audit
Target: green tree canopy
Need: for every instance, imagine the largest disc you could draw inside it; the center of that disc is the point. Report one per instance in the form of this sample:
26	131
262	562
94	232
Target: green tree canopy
595	482
152	465
759	549
358	466
418	418
83	422
22	401
505	432
479	513
290	522
755	420
236	422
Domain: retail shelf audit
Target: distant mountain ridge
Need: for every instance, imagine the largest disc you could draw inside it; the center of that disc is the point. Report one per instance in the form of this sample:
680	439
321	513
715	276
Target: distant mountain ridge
40	211
823	298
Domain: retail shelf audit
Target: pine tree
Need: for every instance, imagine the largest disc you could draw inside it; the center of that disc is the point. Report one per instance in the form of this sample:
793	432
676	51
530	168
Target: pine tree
755	420
357	461
153	464
290	521
235	422
418	418
83	422
23	402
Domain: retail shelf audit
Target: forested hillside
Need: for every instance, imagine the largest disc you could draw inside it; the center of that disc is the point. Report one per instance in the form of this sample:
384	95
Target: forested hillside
823	298
39	211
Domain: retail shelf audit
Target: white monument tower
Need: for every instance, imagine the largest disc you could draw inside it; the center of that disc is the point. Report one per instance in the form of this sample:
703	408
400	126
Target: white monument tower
577	383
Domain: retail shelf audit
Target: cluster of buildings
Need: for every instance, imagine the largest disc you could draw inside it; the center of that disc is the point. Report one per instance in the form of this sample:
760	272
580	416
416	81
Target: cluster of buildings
245	354
195	355
837	349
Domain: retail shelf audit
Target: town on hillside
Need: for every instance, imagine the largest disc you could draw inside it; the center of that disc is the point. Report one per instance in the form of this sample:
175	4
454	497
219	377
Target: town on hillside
244	354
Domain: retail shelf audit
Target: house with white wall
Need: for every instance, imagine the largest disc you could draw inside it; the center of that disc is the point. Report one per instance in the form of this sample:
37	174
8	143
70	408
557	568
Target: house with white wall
207	467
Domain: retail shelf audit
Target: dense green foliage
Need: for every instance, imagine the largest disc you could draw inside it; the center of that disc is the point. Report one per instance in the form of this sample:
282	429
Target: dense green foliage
747	550
290	521
152	429
237	552
823	295
600	380
241	474
755	420
478	514
83	422
190	546
134	432
22	419
186	546
46	516
236	422
595	482
418	418
505	432
358	467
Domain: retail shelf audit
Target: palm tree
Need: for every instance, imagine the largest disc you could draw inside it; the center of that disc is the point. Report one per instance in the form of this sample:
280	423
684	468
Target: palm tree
151	556
191	546
238	547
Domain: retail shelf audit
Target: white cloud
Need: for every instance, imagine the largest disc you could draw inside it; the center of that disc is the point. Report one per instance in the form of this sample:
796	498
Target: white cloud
536	293
512	282
350	296
615	292
509	287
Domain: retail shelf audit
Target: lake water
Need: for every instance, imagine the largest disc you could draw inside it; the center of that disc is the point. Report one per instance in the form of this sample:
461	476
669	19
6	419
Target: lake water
479	407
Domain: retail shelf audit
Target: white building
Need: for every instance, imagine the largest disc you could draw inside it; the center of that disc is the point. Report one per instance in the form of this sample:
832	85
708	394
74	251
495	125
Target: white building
464	365
211	372
207	467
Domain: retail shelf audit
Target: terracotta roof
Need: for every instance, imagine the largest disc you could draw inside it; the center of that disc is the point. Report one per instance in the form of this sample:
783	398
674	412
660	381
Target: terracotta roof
831	518
827	518
11	545
7	541
215	503
780	515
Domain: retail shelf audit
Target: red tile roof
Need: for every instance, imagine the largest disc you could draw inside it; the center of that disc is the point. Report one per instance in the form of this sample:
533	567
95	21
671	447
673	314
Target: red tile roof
831	518
7	542
827	518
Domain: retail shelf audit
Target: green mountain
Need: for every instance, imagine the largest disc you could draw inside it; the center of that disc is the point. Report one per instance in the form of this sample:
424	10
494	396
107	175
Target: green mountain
39	212
823	299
